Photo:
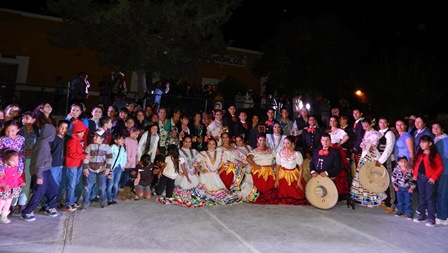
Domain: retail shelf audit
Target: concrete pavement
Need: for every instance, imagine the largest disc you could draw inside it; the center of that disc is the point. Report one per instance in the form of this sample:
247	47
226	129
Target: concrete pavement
147	226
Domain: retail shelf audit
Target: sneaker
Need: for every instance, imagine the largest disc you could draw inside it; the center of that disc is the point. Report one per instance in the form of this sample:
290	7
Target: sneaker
4	220
103	205
399	214
419	219
388	209
410	217
28	217
430	223
51	212
76	205
69	209
441	222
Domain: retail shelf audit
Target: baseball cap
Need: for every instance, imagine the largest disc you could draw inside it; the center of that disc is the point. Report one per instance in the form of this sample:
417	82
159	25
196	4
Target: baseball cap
101	133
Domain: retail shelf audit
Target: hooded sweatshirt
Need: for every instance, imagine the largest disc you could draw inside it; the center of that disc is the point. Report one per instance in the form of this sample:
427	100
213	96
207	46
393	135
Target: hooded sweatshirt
41	157
75	146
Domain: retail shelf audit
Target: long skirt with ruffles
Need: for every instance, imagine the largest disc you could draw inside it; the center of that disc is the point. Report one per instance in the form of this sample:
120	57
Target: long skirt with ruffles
288	191
362	195
264	180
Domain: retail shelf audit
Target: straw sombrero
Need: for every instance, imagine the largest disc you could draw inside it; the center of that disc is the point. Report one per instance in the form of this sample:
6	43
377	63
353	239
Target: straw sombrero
321	192
306	169
374	179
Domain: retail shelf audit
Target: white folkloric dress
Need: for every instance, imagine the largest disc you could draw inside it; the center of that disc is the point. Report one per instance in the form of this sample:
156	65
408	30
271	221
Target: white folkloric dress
211	189
369	154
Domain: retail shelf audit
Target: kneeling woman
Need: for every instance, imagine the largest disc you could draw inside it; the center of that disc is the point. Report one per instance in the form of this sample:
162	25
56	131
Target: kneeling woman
262	161
211	188
188	179
289	181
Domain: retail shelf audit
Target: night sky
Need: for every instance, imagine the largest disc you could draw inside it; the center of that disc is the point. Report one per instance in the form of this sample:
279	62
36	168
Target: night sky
419	23
383	22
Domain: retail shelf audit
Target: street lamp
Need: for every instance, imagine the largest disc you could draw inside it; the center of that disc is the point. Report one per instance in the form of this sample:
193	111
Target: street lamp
360	94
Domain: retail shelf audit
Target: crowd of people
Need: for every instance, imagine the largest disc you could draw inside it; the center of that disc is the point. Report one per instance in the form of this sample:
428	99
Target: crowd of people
217	157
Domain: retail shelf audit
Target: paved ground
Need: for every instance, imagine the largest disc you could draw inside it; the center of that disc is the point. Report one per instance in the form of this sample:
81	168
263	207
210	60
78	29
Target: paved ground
147	226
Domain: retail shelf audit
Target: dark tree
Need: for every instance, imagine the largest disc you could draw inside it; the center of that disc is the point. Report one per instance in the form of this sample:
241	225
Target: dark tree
148	36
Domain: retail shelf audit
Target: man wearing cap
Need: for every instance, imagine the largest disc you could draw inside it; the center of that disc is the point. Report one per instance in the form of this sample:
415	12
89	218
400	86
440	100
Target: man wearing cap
97	167
386	148
411	124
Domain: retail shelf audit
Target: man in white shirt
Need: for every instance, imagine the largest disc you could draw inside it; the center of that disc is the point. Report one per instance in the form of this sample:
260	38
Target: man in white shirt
386	148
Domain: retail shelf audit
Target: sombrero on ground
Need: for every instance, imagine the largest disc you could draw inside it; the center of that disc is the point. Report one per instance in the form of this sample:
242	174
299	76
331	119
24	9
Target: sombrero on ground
374	179
321	192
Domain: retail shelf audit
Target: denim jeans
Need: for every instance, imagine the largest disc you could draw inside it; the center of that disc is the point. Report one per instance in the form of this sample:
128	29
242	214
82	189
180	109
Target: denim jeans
125	177
48	189
112	184
94	177
426	197
62	184
56	172
73	178
442	197
404	201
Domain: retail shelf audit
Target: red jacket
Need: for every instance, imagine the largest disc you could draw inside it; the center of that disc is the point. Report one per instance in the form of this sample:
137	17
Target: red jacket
431	172
75	151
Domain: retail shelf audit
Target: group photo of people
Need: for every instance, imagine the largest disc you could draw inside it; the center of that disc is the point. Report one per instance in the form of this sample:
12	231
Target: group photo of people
106	155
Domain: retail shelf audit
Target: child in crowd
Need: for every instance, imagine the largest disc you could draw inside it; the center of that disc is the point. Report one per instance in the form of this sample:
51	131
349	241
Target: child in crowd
16	142
73	161
404	186
118	165
96	167
58	171
167	175
30	131
10	182
106	125
43	182
173	137
149	142
427	171
129	123
144	178
131	144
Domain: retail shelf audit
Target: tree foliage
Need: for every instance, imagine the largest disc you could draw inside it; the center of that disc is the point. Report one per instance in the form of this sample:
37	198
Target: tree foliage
166	36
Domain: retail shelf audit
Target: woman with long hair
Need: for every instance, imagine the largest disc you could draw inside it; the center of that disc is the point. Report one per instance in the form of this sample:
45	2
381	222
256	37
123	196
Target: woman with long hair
262	160
43	115
369	154
211	189
288	180
198	132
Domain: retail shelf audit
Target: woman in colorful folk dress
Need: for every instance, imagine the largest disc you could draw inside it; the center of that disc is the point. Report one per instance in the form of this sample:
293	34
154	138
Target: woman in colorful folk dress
262	161
244	184
288	180
211	189
369	154
227	171
188	179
